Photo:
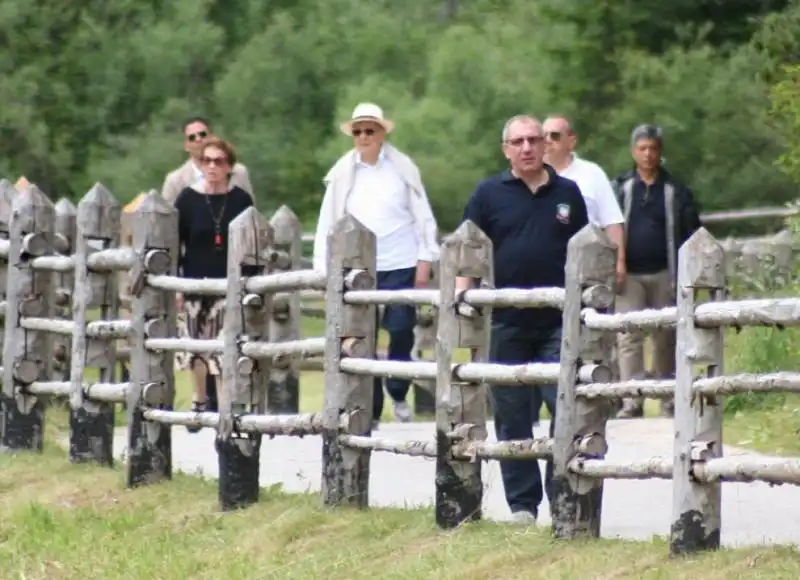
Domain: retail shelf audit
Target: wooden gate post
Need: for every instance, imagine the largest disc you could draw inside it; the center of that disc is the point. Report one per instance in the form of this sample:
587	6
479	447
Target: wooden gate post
698	419
576	503
284	383
466	252
91	424
155	227
345	471
244	381
26	353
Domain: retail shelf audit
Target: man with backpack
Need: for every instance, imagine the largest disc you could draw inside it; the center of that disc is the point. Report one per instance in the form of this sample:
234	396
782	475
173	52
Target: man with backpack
660	215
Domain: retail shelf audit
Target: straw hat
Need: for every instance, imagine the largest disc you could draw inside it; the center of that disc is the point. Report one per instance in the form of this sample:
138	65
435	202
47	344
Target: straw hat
367	112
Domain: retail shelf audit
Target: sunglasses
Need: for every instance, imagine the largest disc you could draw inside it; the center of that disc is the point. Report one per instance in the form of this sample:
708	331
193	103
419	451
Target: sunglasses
518	142
197	136
218	161
554	136
367	132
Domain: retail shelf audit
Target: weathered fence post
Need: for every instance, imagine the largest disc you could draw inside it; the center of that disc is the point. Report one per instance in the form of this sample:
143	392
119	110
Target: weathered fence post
64	244
283	395
7	194
576	503
698	419
155	227
244	381
91	425
345	471
466	252
26	353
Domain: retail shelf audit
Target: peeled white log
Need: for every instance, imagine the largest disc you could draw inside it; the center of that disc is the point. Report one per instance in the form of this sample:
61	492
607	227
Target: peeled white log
111	260
652	389
400	447
757	312
780	382
100	329
492	373
748	468
192	345
286	282
539	448
105	392
273	425
53	263
217	287
304	347
5	246
653	468
418	297
515	297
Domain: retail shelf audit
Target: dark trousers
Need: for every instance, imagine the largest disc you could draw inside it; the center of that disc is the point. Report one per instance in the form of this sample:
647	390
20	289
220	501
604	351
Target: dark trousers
398	321
516	409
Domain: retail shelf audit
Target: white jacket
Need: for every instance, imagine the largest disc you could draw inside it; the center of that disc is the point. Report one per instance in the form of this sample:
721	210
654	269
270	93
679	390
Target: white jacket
339	183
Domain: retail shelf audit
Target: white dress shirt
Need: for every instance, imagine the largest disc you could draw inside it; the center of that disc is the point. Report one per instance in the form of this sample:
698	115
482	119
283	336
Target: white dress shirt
380	200
601	204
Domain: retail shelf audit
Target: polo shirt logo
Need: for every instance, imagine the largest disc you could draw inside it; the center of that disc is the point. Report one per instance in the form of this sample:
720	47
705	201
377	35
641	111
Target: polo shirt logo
562	213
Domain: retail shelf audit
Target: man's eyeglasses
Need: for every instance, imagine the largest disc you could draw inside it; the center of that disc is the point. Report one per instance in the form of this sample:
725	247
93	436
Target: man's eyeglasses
218	161
192	137
367	132
519	141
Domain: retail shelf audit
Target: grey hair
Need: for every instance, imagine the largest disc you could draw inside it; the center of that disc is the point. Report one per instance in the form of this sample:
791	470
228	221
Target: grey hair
647	132
513	120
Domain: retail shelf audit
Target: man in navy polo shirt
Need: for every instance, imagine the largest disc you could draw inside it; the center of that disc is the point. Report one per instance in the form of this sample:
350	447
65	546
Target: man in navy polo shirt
530	213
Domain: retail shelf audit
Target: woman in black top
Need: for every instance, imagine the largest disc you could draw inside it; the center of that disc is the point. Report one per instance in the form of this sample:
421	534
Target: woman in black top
205	210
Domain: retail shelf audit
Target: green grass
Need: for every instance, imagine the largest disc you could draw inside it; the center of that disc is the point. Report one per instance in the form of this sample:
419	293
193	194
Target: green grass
60	521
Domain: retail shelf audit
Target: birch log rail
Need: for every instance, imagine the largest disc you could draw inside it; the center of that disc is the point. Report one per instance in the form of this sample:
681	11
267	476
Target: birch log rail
46	256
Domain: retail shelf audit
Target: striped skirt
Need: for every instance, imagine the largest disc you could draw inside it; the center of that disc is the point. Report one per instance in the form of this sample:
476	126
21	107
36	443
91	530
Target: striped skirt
201	319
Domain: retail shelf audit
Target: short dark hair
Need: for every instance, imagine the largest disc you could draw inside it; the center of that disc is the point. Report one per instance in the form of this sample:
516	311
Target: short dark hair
647	132
227	147
191	120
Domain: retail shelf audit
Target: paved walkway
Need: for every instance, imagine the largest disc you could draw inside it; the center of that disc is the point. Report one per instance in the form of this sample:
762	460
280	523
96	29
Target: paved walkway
753	513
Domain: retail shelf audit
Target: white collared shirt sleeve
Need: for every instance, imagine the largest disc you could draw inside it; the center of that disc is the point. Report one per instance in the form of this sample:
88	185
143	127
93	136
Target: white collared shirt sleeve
608	210
428	245
324	224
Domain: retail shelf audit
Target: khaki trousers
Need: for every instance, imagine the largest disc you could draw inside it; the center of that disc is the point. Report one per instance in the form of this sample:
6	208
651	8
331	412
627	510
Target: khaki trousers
645	291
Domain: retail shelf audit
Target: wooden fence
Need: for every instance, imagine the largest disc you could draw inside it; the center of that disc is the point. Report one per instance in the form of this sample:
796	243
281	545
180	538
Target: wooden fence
251	351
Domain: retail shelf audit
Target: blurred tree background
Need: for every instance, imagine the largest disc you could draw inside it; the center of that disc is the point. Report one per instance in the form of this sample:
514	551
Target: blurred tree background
97	91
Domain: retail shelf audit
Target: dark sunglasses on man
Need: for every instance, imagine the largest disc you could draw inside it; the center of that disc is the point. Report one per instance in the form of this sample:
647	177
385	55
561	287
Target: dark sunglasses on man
197	136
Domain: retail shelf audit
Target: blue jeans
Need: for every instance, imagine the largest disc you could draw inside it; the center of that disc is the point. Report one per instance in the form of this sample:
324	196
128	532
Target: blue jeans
398	321
516	409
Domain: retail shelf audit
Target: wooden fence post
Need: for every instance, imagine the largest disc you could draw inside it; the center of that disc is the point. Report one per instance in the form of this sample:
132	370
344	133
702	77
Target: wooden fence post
576	502
283	396
64	244
459	488
155	227
345	471
91	425
425	338
26	353
7	193
698	419
244	381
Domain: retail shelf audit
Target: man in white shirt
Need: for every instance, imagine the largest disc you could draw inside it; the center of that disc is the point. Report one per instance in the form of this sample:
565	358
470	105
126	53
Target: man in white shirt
382	188
601	203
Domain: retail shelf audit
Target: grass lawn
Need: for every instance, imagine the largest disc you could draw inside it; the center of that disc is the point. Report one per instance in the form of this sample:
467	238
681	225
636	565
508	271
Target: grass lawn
60	521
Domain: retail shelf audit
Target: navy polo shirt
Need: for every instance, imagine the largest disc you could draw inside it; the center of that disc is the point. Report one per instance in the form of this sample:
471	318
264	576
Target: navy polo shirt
529	232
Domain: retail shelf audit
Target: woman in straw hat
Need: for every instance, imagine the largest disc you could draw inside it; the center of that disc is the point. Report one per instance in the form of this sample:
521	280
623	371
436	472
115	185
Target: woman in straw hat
382	188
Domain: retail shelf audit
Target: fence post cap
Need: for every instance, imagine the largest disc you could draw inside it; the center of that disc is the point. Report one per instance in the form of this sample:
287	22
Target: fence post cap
65	207
98	196
31	196
250	234
701	261
284	217
154	203
7	192
468	231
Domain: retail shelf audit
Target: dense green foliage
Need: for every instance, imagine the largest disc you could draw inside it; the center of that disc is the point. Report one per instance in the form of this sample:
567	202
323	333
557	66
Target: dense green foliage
97	90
